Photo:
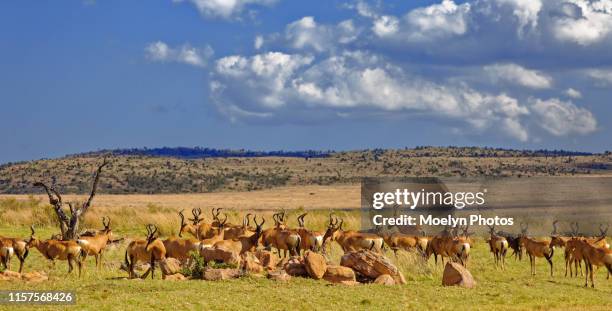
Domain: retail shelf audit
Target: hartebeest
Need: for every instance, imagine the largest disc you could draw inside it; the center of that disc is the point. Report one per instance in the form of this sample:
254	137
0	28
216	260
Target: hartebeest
535	249
150	250
95	245
244	243
61	250
351	240
198	228
498	246
594	256
10	247
310	240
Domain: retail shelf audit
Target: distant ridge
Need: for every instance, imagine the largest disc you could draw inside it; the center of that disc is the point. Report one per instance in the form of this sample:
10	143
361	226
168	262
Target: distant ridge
201	152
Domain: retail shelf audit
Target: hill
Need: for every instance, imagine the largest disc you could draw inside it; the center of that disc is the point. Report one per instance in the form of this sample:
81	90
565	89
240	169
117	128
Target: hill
208	170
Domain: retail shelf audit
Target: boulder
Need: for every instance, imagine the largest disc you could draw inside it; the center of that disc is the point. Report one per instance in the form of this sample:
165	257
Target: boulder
175	277
170	266
221	274
295	267
315	265
279	275
32	277
339	274
220	254
8	275
267	259
384	279
371	265
251	264
456	274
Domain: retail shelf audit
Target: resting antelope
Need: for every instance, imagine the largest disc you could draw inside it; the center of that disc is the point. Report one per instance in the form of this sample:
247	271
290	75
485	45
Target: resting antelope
351	240
535	249
150	250
61	250
95	245
244	243
219	236
198	228
10	247
499	247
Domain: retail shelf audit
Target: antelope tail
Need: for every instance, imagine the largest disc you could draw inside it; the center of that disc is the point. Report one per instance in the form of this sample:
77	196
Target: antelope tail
127	261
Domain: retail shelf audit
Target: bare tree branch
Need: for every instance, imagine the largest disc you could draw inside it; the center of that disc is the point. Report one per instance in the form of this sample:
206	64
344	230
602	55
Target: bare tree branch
94	187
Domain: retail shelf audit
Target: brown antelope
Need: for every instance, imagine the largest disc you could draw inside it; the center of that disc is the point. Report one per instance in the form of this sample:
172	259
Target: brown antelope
310	240
281	237
535	249
351	240
219	236
398	240
10	247
95	245
594	255
150	250
498	246
449	244
61	250
573	251
244	243
235	231
198	228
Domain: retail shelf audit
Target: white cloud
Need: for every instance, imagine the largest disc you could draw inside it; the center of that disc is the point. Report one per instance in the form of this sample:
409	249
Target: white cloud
519	75
278	83
603	77
385	25
160	51
306	33
563	118
224	8
526	11
583	22
438	20
573	93
259	41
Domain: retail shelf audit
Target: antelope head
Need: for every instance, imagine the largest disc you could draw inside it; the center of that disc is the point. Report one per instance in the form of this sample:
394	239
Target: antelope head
33	242
215	216
151	231
184	226
524	228
196	212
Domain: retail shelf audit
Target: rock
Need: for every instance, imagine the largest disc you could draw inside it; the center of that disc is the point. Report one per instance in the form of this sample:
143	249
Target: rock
175	277
280	276
339	274
219	254
384	279
315	265
32	277
456	274
8	275
170	266
267	259
221	274
251	264
371	265
295	267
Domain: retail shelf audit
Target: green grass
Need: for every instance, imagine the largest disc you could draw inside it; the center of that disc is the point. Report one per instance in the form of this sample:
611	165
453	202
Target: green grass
496	289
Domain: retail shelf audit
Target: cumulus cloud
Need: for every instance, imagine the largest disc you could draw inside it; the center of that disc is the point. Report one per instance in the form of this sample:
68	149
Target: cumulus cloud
573	93
306	33
516	74
583	22
603	77
224	8
277	84
160	51
526	11
563	118
438	20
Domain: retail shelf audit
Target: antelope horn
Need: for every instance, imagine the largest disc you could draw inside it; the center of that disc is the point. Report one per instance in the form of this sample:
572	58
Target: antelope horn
224	220
554	227
603	230
32	229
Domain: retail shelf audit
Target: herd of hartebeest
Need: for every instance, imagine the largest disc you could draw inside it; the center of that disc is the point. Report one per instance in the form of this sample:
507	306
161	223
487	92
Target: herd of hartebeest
452	243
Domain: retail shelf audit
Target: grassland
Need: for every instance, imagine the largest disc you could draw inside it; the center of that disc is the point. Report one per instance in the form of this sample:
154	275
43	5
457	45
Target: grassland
513	289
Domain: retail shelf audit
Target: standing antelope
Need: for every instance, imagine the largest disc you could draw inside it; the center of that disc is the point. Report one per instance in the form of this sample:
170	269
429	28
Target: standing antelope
499	247
10	247
594	255
149	250
61	250
310	240
95	245
536	249
281	237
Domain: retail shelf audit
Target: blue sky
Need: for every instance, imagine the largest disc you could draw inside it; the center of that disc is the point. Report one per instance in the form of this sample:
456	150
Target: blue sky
276	74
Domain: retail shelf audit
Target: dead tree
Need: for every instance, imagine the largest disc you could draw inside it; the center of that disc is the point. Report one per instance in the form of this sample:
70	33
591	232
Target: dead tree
69	224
